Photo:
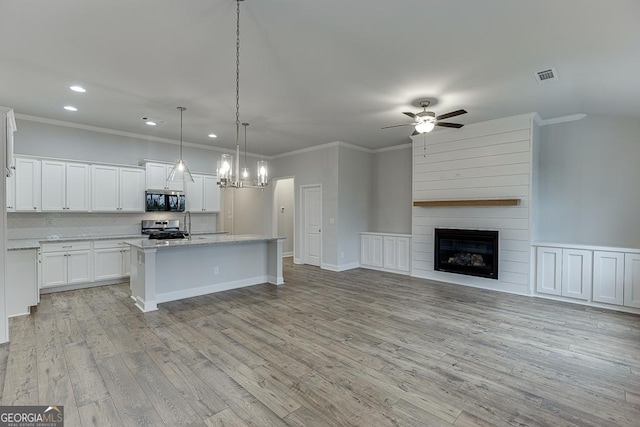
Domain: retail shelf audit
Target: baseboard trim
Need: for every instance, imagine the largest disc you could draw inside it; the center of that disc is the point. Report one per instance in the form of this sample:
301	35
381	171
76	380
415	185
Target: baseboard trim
209	289
341	267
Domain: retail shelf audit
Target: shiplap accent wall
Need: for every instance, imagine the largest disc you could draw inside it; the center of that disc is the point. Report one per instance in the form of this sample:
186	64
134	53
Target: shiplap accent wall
489	160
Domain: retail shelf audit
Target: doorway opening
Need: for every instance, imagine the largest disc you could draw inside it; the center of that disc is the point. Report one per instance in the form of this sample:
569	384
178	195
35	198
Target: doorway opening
284	213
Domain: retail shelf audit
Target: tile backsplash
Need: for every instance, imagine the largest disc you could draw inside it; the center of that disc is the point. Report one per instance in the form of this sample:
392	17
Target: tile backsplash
68	224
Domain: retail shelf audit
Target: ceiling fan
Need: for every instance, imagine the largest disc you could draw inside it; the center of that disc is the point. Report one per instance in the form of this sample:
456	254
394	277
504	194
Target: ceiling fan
425	121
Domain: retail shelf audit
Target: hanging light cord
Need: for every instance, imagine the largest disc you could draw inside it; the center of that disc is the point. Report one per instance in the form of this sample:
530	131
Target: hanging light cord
181	111
238	73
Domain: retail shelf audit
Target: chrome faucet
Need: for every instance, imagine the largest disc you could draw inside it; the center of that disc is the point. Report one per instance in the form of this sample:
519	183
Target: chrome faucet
187	224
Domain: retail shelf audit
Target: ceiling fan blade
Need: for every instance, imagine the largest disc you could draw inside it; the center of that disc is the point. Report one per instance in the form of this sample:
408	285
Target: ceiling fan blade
449	125
397	126
415	132
413	116
451	114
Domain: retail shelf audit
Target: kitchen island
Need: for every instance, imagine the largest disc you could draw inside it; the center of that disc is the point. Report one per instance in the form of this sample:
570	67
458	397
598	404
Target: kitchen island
169	270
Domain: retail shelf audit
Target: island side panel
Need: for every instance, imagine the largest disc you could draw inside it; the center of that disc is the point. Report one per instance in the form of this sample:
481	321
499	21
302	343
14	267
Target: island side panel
274	262
143	278
188	271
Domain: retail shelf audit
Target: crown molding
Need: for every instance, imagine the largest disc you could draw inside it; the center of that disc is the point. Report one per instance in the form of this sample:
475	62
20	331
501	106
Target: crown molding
322	147
395	147
562	119
126	134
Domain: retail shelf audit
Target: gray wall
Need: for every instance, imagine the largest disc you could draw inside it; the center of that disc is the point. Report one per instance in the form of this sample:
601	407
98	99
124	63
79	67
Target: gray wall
314	167
391	194
355	171
251	211
589	175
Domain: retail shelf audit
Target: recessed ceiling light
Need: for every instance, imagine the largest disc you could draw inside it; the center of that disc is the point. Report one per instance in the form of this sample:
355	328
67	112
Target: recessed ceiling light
79	89
150	123
70	108
213	135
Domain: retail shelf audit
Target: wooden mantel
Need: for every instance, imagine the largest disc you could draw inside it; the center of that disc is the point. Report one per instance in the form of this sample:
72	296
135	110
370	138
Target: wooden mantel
471	202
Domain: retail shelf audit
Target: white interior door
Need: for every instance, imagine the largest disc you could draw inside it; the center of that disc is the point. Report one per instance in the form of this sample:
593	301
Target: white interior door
312	215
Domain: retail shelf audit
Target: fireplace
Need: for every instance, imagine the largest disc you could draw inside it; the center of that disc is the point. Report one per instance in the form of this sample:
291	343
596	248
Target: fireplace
471	252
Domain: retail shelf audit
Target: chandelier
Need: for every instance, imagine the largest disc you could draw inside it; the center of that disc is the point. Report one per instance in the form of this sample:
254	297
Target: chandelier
229	173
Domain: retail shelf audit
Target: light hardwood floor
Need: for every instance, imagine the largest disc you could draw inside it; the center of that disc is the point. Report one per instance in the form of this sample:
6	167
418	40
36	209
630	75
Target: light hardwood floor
355	348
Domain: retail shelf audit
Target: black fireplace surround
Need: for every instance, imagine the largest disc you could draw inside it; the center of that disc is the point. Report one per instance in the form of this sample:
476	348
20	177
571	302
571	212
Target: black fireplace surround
471	252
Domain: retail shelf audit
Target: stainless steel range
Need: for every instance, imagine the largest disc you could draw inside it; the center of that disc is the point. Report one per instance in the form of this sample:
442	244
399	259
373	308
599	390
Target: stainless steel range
163	229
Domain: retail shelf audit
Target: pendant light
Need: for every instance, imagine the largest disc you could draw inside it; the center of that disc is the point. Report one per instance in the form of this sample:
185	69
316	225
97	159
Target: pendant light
245	170
226	167
180	171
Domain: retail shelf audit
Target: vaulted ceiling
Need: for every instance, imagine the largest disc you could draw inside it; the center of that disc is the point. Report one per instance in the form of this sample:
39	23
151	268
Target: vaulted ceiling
314	71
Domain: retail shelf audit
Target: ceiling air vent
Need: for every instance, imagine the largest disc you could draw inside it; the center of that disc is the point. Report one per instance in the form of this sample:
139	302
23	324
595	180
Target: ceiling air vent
547	75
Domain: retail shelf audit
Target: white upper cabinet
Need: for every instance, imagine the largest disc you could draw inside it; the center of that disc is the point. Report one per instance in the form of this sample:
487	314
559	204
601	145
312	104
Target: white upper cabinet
27	185
211	194
117	189
203	195
131	190
65	186
78	187
53	185
156	177
194	193
106	188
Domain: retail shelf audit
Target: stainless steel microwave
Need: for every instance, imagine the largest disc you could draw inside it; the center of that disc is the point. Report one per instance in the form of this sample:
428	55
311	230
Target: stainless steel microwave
164	201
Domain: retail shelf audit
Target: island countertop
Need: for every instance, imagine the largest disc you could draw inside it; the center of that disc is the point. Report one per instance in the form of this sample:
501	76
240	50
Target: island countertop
168	270
212	239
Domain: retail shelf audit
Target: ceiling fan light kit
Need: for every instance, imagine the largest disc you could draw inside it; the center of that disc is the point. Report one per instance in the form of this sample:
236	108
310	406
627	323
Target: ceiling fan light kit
425	121
229	174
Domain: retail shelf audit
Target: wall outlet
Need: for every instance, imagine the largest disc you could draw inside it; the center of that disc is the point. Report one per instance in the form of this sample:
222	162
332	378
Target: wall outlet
49	222
216	270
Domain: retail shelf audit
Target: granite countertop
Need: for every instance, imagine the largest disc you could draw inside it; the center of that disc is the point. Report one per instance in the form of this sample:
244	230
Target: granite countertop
207	239
18	244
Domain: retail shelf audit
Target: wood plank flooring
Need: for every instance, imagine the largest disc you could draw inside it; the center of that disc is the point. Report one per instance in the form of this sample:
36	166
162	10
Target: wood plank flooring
358	348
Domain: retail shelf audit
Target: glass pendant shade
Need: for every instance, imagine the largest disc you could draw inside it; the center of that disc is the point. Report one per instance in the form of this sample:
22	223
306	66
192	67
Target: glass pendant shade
245	173
425	127
263	172
225	168
180	172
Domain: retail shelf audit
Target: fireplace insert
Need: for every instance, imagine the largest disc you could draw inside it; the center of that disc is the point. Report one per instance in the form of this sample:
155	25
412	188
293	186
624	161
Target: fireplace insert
471	252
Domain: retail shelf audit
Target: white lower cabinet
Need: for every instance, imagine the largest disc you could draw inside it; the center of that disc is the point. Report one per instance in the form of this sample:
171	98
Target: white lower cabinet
595	275
82	262
549	271
564	272
111	260
632	280
65	264
608	277
384	251
371	250
576	273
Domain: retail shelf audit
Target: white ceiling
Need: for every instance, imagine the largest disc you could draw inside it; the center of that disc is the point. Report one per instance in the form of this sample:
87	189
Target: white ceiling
315	71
